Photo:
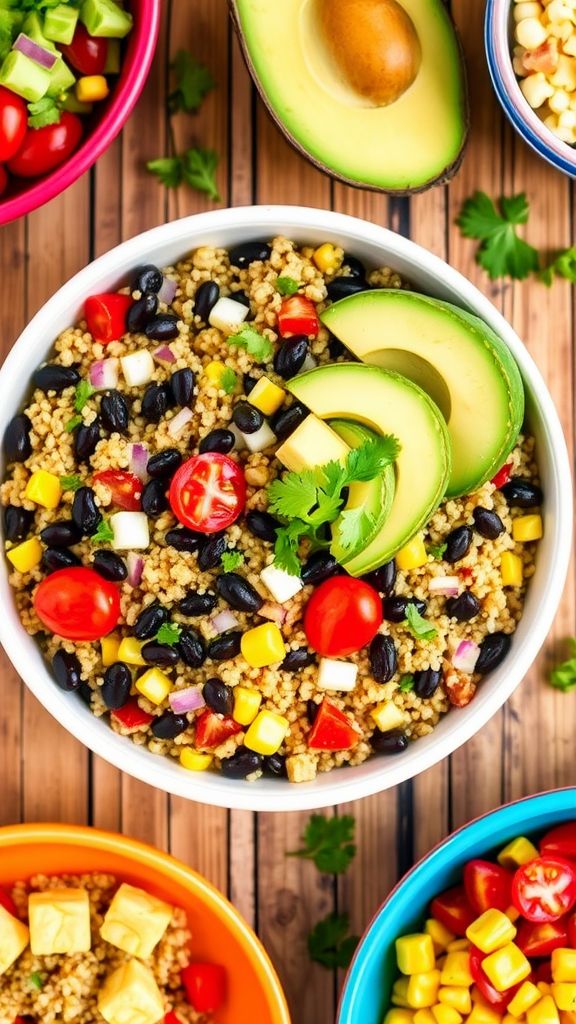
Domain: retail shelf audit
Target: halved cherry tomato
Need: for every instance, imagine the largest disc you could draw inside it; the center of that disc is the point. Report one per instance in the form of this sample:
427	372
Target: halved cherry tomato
126	489
342	616
539	939
213	729
3	180
106	316
499	1000
43	149
572	931
502	476
453	910
544	889
77	603
7	902
131	715
332	730
205	986
298	316
560	841
487	886
13	123
208	492
86	53
543	972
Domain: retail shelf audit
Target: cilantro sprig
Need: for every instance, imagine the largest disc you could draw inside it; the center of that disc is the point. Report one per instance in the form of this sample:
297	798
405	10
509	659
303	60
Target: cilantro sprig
256	344
71	483
228	380
329	942
36	981
502	252
169	634
195	167
72	423
564	265
419	627
406	684
83	392
329	843
436	550
104	533
286	285
44	112
232	560
193	82
563	677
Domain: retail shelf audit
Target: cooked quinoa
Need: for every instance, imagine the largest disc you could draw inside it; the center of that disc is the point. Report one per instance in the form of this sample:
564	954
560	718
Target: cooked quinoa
169	575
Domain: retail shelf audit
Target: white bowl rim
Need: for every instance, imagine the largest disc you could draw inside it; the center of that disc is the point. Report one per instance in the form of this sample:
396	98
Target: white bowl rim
340	785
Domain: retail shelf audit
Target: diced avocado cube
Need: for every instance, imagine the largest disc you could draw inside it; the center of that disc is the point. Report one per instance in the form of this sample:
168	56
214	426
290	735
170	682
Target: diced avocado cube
24	77
59	922
60	24
135	921
34	28
130	995
105	18
61	79
14	937
113	58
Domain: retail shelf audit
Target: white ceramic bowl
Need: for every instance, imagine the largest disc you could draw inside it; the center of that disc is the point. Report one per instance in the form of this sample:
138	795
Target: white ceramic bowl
375	246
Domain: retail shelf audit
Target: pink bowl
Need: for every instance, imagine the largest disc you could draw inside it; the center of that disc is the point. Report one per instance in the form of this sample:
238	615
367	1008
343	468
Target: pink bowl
137	59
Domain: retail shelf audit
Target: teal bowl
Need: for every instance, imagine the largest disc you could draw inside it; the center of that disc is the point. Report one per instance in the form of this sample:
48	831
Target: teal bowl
366	992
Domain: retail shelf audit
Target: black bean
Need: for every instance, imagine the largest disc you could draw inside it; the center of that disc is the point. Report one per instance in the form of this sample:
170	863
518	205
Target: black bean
392	742
162	327
154	499
197	604
206	298
319	566
249	383
218	696
286	420
54	377
85	440
67	670
168	726
487	523
210	554
149	621
249	252
184	539
288	359
312	709
147	279
155	402
84	691
262	525
141	312
61	534
356	268
59	558
335	347
394	607
241	297
275	764
225	646
458	543
238	592
383	579
17	522
110	566
295	660
162	655
242	763
341	287
426	682
383	658
191	648
464	607
493	650
182	386
522	493
247	418
164	464
17	446
114	412
85	512
117	684
219	440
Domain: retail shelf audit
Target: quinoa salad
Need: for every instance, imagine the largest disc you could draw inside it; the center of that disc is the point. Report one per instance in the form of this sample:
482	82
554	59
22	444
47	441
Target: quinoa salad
250	524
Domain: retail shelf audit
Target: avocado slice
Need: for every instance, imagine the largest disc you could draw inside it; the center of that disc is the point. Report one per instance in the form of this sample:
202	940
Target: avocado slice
388	404
453	356
375	496
412	142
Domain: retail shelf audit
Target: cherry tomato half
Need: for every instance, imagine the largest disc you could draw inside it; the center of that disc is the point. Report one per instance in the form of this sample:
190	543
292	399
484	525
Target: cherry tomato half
43	149
105	316
332	730
499	1000
502	476
7	902
213	729
86	53
560	841
487	885
126	489
208	492
342	616
13	123
205	986
77	604
453	910
541	939
572	931
298	316
3	180
544	889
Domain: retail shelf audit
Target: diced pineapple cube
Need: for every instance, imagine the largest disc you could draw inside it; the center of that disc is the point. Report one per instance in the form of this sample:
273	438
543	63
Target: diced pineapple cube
14	936
491	930
506	967
59	921
135	921
130	995
415	953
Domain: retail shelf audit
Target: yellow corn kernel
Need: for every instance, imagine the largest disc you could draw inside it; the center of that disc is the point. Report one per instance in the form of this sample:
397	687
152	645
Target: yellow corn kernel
194	761
424	1017
400	993
527	9
397	1016
415	953
483	1014
558	11
491	930
438	933
565	75
527	528
559	101
27	555
512	570
109	647
519	851
509	1019
422	991
526	996
569	45
530	32
91	88
154	685
456	970
129	651
413	554
536	89
564	995
456	996
246	705
263	645
506	967
543	1012
266	733
44	489
267	396
327	258
457	945
444	1014
544	988
388	716
563	964
215	371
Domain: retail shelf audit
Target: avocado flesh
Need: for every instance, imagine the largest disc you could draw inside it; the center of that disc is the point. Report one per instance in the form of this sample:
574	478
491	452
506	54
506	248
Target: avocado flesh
406	146
374	496
388	404
455	357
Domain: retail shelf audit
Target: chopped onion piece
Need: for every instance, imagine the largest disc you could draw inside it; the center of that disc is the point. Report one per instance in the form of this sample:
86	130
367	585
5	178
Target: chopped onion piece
137	367
309	364
274	612
224	620
130	530
177	424
189	699
139	461
239	443
167	291
164	354
135	566
39	54
227	315
104	374
281	584
260	439
449	586
336	675
465	656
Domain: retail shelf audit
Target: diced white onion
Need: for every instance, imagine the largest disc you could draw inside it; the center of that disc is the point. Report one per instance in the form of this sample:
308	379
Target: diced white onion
139	461
281	584
274	612
239	442
135	566
224	620
449	586
260	439
104	374
177	425
167	291
226	314
465	656
39	54
137	367
164	354
336	675
130	531
309	364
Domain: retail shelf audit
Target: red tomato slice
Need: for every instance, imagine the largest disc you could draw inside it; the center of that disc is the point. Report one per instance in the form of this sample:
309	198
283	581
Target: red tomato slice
205	986
453	910
298	316
502	476
77	604
488	886
213	729
208	492
43	149
126	488
499	1000
7	902
131	715
560	841
105	316
332	730
342	616
86	53
13	123
545	888
540	939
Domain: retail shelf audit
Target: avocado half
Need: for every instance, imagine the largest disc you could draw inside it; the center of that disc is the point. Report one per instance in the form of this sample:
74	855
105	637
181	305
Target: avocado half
412	143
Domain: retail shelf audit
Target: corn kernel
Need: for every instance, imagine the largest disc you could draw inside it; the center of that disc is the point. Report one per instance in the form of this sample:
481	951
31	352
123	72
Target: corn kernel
266	733
518	65
397	1016
415	953
544	988
155	685
483	1014
457	945
519	851
526	996
563	964
530	32
400	993
509	1019
215	371
456	970
491	930
439	934
388	716
506	967
194	761
535	89
422	991
263	645
564	995
246	705
27	555
512	570
91	88
569	45
558	102
444	1014
267	396
413	554
129	651
544	1012
567	119
557	11
327	258
527	9
424	1017
565	75
109	646
456	996
44	489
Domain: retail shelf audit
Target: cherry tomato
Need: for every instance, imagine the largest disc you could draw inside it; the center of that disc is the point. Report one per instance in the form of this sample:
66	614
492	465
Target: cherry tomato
543	973
126	489
342	616
43	149
453	910
487	886
13	123
502	476
298	316
105	316
3	180
77	604
86	53
171	1018
213	729
208	492
332	730
572	931
499	1000
205	986
560	841
7	902
131	715
544	889
540	939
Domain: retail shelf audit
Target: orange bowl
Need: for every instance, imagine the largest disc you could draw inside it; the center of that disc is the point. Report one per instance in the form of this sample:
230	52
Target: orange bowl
218	931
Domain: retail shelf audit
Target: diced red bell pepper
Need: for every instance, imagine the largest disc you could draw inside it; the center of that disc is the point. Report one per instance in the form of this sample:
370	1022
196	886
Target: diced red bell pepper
7	902
488	886
213	729
332	730
540	939
125	488
453	910
106	316
298	316
205	986
502	476
132	716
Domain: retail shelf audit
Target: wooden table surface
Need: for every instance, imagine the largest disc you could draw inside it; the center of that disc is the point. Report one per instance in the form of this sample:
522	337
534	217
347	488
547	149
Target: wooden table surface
46	774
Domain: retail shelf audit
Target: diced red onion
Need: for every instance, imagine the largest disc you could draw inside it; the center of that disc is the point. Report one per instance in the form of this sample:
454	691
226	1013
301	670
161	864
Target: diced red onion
164	354
465	656
448	586
139	461
39	54
224	620
104	374
135	566
190	699
176	426
274	612
167	291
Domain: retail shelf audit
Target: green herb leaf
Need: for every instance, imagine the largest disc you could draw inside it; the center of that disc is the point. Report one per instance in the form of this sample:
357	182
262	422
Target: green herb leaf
169	169
232	560
419	627
36	981
44	112
71	483
286	285
193	82
256	344
353	525
9	24
104	534
169	634
370	459
436	550
329	842
84	391
228	380
72	423
200	171
294	495
502	252
286	546
406	683
330	944
563	677
563	266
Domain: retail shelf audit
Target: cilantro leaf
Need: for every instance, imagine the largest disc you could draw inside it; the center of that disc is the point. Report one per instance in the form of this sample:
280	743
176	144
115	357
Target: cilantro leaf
71	483
353	526
72	423
199	169
563	266
169	169
286	285
294	494
231	560
255	343
334	474
84	391
419	627
169	634
368	460
193	82
104	533
36	981
502	253
436	550
329	842
286	546
406	683
330	944
44	112
563	677
228	380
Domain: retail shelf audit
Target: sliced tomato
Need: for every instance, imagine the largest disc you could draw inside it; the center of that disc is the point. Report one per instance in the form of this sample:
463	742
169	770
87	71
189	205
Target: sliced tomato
7	902
105	316
560	841
205	986
544	889
77	603
332	730
488	886
539	939
298	316
213	729
453	910
499	1000
126	489
502	476
208	492
132	716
